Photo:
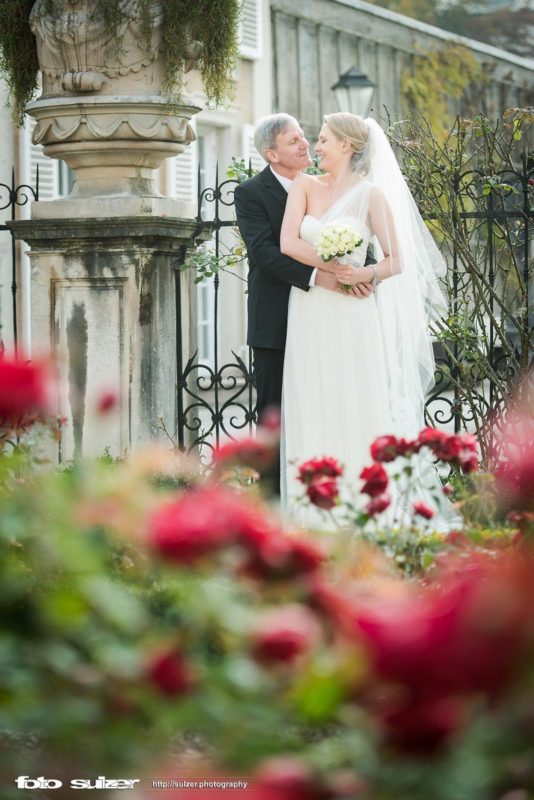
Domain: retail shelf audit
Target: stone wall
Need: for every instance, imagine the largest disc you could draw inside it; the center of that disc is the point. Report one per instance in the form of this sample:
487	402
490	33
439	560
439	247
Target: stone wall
315	41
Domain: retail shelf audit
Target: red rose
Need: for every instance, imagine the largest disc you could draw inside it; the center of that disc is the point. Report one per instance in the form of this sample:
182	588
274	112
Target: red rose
406	447
384	449
375	480
107	401
431	437
423	724
457	538
317	467
459	449
449	449
333	605
421	508
170	673
378	504
24	390
515	480
277	556
284	633
447	489
463	633
203	520
305	555
286	778
323	492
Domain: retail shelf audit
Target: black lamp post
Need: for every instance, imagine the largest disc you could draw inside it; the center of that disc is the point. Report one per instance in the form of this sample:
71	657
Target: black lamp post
354	92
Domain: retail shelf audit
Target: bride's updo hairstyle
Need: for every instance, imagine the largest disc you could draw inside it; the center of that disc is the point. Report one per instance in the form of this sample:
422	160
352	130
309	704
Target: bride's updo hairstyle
355	131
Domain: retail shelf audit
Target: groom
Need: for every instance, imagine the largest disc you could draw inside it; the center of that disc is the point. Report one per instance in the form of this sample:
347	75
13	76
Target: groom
260	204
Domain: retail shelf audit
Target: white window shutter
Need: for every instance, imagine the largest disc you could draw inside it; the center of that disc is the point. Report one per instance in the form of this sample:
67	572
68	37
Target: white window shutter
186	174
250	29
48	167
249	151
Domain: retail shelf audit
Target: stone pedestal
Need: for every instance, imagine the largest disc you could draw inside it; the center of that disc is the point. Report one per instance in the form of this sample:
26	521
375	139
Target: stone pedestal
105	301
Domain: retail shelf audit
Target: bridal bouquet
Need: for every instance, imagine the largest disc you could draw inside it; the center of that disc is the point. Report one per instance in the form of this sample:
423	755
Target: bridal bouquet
337	240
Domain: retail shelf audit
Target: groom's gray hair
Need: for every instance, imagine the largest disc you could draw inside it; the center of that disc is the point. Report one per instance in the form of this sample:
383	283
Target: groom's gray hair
268	129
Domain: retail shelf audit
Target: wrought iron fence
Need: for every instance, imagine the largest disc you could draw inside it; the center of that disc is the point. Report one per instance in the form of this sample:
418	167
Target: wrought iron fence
11	197
217	400
491	294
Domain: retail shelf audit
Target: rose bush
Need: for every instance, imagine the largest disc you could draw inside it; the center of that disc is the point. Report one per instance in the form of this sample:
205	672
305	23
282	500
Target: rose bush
142	601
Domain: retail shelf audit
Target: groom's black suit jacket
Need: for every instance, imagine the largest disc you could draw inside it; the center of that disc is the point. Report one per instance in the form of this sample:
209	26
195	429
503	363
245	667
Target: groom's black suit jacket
260	204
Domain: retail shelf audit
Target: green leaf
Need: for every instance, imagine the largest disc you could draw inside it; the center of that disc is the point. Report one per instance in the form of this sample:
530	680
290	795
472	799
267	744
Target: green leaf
114	603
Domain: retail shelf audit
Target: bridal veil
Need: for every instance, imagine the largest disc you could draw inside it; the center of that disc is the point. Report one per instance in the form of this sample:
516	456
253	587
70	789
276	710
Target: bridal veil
408	301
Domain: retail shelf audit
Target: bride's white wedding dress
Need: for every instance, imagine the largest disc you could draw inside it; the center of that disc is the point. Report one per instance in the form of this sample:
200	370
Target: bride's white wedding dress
335	399
351	373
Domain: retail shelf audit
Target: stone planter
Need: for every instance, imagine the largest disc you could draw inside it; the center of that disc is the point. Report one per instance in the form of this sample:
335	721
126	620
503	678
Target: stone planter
108	297
102	109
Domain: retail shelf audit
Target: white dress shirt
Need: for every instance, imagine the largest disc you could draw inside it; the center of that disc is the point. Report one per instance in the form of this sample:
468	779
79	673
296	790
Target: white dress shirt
286	183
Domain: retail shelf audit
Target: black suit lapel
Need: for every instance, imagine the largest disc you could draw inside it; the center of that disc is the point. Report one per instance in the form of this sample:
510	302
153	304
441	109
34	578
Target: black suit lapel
273	186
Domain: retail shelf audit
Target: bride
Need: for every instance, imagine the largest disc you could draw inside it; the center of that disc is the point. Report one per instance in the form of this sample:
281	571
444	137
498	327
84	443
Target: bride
356	369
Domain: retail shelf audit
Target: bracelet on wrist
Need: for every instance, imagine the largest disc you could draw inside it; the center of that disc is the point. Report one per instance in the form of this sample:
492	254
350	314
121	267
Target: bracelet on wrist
376	279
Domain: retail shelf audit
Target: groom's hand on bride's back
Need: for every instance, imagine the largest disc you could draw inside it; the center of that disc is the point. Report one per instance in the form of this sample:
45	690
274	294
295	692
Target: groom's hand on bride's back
362	289
328	280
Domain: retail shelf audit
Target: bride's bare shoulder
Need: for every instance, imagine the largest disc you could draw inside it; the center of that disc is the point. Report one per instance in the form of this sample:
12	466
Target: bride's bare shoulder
305	180
312	183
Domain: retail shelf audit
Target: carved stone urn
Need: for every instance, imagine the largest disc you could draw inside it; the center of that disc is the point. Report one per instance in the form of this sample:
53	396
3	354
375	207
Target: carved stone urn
102	109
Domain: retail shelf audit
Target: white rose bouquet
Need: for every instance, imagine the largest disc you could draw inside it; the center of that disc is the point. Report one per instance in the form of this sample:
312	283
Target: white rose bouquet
337	240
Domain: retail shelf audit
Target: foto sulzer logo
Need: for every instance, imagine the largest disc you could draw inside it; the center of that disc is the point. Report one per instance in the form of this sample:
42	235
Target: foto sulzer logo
25	782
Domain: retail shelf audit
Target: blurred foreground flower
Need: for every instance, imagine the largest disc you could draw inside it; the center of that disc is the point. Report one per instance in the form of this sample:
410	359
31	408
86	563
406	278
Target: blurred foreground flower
107	401
375	480
169	671
284	633
514	472
435	648
257	452
215	519
24	391
320	475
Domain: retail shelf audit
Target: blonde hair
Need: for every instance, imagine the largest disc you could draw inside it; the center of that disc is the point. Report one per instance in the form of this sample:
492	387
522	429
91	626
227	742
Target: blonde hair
352	129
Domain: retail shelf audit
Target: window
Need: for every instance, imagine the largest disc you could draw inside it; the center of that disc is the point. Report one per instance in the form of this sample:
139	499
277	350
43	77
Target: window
207	169
250	29
65	179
